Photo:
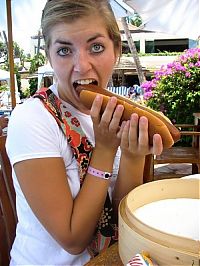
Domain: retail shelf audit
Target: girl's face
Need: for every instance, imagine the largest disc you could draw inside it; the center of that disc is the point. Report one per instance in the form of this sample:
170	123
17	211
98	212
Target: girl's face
81	52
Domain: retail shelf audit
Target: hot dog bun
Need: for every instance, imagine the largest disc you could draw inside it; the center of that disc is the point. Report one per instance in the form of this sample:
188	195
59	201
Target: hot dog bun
158	123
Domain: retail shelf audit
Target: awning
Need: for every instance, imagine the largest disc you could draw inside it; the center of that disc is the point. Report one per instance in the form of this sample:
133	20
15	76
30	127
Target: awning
178	17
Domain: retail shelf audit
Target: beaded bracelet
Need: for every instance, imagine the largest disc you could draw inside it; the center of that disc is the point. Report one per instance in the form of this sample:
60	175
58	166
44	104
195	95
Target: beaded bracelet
99	173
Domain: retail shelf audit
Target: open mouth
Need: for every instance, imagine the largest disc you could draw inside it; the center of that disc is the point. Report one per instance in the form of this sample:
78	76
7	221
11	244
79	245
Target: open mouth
77	84
84	82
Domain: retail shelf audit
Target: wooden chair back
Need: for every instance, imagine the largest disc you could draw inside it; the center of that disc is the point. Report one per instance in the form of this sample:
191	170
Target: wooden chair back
8	217
148	169
182	154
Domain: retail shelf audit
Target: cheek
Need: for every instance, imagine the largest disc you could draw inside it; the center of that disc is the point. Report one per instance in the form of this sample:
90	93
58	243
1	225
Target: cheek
108	65
58	65
61	72
108	71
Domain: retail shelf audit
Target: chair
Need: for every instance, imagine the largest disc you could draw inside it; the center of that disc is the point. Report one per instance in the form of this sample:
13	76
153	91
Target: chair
8	217
148	169
178	154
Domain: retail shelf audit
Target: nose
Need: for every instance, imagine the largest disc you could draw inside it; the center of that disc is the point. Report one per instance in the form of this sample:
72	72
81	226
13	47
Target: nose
82	63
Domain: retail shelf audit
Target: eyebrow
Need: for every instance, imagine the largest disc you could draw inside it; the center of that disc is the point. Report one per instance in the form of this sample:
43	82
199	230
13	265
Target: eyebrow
98	35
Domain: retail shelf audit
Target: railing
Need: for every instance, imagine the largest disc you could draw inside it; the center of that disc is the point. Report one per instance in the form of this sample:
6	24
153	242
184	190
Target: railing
122	90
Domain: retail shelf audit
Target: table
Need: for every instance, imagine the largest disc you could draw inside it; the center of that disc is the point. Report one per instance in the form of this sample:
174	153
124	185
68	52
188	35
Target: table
109	257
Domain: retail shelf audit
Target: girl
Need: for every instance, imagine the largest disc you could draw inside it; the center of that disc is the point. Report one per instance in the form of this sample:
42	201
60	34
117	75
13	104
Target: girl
68	172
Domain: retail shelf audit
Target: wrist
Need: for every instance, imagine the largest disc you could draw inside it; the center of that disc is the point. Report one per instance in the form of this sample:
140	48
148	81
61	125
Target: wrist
98	173
137	159
102	160
107	153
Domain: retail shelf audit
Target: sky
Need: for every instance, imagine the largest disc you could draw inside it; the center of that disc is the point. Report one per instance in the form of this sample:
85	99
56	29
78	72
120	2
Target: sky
26	16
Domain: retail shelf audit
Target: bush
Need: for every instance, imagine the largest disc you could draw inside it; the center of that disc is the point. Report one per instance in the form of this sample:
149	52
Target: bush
33	83
175	88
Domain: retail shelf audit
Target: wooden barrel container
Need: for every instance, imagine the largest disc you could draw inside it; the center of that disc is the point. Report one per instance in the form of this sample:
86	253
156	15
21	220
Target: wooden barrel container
136	236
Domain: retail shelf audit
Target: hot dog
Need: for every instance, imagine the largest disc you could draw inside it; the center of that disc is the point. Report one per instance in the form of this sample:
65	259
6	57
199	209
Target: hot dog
158	123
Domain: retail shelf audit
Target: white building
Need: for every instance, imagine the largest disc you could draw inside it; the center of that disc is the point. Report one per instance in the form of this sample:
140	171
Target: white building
146	41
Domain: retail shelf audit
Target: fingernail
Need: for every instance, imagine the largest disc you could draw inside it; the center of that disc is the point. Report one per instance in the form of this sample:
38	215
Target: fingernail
127	123
134	115
98	97
143	119
113	99
120	107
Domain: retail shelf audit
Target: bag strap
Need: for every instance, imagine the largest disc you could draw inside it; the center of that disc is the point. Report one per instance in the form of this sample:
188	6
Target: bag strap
70	126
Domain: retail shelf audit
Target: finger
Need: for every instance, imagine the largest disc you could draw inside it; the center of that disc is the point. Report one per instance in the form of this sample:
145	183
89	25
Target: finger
133	133
157	145
108	112
96	108
119	133
115	122
125	135
143	132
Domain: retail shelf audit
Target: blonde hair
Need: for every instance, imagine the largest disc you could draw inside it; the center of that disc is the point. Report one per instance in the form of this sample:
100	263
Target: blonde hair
67	11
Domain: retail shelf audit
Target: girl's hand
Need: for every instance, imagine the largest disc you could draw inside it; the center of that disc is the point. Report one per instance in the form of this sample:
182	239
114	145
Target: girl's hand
135	140
106	126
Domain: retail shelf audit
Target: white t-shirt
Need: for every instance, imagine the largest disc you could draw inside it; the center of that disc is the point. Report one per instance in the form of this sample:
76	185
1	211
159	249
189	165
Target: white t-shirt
34	133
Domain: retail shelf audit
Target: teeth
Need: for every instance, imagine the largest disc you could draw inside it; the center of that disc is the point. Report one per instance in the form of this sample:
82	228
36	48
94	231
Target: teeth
84	82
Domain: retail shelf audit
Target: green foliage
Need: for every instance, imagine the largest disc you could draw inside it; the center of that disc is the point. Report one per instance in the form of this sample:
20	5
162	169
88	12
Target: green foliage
37	61
25	93
4	88
175	88
3	52
33	82
165	53
136	20
19	53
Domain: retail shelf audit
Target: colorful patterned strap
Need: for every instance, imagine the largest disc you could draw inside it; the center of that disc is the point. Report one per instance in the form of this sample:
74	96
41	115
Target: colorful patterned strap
106	231
81	146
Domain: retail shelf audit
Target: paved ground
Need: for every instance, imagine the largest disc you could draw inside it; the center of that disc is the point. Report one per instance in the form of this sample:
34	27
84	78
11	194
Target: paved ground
162	171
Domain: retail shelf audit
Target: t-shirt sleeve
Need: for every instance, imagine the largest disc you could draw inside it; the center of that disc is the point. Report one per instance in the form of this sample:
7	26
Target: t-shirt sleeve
32	133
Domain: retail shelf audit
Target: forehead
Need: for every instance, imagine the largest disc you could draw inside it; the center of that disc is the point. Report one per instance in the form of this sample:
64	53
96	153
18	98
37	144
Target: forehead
86	26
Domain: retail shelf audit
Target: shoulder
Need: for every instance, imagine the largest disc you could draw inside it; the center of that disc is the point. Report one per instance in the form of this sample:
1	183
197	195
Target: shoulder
31	106
31	114
33	133
31	122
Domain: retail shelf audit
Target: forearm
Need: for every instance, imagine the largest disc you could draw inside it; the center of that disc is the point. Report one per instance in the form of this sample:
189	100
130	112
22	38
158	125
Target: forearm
90	200
130	176
70	221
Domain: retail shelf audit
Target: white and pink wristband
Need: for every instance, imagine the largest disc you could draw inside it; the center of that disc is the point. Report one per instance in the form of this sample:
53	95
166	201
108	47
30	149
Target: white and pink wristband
99	173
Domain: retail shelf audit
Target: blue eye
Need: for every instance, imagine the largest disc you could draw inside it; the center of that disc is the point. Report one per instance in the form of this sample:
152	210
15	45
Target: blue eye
97	48
64	51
